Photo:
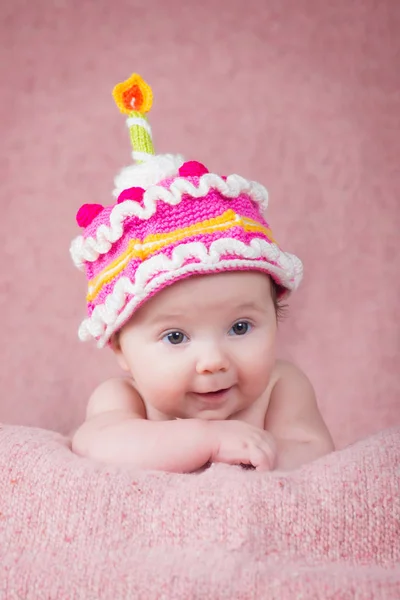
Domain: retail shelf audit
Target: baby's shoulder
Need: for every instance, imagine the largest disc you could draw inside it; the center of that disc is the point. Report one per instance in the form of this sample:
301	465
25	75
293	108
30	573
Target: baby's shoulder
115	394
286	370
286	375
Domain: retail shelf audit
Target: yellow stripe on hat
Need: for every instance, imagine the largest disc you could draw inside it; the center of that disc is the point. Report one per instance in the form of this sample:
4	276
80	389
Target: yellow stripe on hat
152	243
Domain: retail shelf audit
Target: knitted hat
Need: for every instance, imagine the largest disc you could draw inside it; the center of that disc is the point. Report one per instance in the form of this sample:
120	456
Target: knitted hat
172	219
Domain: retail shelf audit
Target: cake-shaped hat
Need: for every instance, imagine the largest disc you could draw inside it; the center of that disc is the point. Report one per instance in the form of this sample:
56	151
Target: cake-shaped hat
170	220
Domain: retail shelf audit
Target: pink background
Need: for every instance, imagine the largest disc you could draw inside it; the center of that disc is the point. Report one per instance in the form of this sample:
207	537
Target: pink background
299	94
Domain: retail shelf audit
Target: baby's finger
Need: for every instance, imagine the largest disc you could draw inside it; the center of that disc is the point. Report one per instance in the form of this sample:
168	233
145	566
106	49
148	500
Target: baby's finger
236	455
260	459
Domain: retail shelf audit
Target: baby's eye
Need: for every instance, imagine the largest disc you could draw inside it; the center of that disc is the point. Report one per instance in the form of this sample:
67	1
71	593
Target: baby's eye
240	328
175	337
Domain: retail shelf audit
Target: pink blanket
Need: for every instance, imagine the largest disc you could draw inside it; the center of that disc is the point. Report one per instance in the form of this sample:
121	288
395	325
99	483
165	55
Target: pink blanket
72	529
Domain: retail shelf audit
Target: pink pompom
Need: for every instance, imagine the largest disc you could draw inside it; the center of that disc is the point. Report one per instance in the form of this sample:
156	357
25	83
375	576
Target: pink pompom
87	213
133	193
192	168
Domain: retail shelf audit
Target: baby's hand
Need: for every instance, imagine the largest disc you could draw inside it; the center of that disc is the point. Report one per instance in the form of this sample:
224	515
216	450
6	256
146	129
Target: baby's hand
237	442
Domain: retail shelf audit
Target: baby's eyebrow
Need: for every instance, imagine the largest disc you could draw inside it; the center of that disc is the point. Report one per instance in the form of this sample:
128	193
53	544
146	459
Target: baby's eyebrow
162	317
251	306
179	316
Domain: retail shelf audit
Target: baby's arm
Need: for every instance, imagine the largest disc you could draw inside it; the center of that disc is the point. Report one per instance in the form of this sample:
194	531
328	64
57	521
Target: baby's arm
294	420
116	431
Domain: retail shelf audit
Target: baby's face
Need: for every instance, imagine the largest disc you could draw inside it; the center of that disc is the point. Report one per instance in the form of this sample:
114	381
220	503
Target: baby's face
203	347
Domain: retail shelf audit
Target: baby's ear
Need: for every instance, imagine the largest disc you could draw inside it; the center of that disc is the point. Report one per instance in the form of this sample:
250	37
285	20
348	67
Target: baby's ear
116	347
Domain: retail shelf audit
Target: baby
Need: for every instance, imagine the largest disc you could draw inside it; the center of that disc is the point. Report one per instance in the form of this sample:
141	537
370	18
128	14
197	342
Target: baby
185	284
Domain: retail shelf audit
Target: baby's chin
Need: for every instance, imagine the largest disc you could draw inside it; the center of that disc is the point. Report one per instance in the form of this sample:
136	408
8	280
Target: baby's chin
215	414
211	415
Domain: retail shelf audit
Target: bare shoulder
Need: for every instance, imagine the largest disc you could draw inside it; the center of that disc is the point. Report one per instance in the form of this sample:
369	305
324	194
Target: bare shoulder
290	373
293	410
291	390
292	395
116	394
113	401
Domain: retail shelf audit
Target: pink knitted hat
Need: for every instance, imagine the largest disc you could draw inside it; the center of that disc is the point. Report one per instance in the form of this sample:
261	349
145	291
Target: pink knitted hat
172	219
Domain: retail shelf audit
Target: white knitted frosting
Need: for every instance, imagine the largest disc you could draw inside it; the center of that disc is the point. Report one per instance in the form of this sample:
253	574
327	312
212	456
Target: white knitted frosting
153	170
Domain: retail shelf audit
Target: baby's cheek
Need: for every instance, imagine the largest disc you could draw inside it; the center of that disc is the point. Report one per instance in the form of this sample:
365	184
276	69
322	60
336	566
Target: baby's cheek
164	386
259	371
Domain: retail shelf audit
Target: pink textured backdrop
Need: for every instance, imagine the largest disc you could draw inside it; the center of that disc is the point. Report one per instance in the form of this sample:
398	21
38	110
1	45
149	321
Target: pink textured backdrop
299	94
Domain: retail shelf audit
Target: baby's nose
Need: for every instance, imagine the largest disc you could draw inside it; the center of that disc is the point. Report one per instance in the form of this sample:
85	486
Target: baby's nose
211	360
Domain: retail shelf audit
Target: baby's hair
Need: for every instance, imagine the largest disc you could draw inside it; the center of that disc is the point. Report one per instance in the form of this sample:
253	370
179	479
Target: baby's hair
277	293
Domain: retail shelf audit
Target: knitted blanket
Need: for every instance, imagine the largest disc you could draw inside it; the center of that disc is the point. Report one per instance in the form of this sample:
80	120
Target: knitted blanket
73	529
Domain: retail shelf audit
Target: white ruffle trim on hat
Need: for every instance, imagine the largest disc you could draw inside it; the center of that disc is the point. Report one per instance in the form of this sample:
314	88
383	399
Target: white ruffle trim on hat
88	249
109	317
150	172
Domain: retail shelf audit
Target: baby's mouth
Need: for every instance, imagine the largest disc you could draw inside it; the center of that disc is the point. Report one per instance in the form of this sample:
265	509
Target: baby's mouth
214	396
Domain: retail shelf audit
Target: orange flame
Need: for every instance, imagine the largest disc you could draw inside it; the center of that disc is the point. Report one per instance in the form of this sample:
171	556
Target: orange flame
133	94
